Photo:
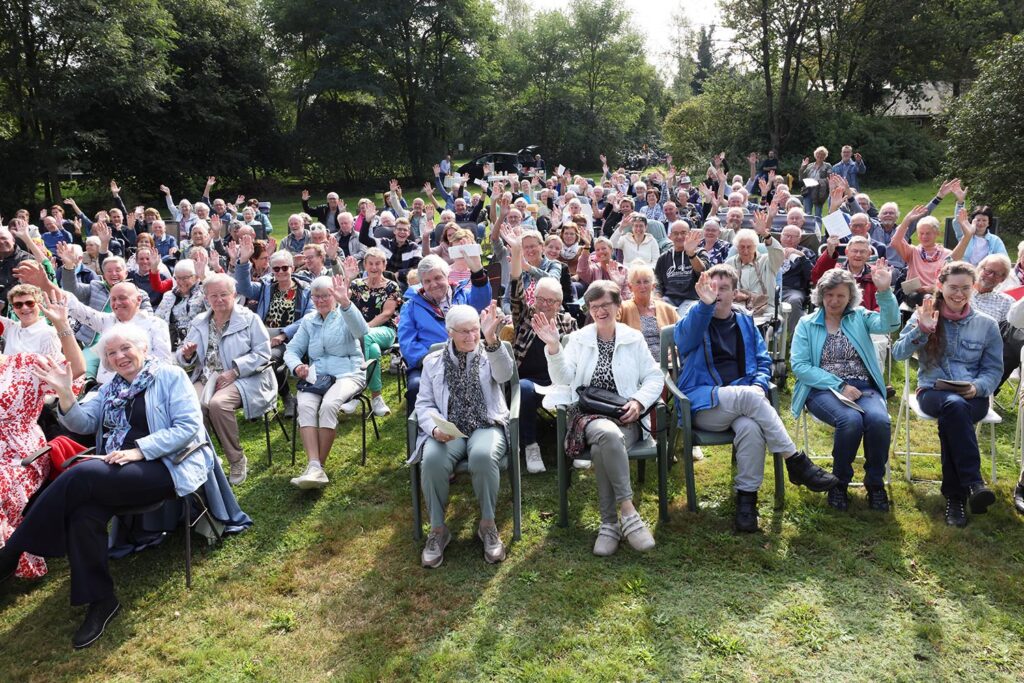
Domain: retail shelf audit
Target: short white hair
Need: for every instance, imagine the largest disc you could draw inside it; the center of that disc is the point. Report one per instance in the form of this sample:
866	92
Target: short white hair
201	205
133	334
549	285
116	260
321	283
220	279
460	314
743	235
318	227
283	256
185	267
431	263
93	239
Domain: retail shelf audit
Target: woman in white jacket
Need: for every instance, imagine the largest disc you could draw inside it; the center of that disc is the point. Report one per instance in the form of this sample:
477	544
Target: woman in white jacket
638	244
615	357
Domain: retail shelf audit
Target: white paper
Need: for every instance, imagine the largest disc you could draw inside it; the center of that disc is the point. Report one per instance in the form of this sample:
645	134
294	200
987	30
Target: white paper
208	391
811	182
311	375
555	395
480	182
836	225
846	401
560	170
446	427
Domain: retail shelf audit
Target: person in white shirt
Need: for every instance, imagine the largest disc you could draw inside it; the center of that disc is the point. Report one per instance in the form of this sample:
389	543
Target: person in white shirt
639	244
30	334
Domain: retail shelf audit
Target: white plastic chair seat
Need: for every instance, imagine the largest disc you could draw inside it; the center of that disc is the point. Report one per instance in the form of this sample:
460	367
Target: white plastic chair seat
992	418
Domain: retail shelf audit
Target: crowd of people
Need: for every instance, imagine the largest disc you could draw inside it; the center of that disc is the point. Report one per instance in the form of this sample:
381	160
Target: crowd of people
129	341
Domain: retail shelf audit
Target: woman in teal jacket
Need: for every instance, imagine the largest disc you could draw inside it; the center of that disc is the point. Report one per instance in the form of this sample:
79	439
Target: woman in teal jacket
836	367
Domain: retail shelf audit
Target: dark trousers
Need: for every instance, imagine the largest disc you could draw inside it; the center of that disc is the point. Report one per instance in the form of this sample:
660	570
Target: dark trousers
961	460
529	406
412	387
70	518
280	370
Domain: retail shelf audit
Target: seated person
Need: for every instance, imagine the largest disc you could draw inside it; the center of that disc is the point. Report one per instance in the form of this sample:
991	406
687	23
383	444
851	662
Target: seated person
716	248
96	294
421	320
955	342
462	383
142	419
402	252
726	373
325	353
993	271
529	349
377	299
860	226
601	266
21	402
614	357
925	261
858	251
833	352
984	242
637	244
677	270
229	346
30	334
645	311
183	303
796	274
757	271
282	300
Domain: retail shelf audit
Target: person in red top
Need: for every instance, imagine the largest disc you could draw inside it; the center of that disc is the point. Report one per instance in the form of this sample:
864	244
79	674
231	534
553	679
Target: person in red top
858	250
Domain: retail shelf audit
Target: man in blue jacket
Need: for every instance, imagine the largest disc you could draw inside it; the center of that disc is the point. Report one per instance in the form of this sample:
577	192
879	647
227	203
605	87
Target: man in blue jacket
726	373
421	320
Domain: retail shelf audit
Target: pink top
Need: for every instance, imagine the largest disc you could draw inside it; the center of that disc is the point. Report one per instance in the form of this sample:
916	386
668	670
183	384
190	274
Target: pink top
927	269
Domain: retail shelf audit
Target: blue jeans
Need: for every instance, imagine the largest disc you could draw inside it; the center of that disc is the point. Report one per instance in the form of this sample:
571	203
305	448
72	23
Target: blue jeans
961	460
529	405
872	426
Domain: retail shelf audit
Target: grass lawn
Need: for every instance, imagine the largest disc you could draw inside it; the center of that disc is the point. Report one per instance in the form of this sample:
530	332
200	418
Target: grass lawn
328	585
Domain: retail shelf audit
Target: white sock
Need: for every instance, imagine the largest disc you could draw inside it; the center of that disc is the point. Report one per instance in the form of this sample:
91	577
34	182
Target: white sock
315	463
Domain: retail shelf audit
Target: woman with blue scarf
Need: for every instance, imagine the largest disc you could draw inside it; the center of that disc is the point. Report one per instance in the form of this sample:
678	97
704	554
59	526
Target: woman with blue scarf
142	419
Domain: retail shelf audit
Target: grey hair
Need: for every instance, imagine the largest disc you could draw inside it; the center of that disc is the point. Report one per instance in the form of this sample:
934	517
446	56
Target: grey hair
375	252
115	259
93	239
459	314
430	263
744	234
1002	259
318	227
598	288
321	283
283	256
220	279
201	205
185	267
183	203
133	334
549	285
535	234
836	278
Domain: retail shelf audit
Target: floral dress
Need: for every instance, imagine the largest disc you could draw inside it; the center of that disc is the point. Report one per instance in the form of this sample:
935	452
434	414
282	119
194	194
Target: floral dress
21	401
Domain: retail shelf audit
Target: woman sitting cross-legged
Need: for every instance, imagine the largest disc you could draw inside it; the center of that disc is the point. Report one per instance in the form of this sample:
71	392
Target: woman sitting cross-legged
614	357
229	346
329	337
462	384
143	418
833	355
955	343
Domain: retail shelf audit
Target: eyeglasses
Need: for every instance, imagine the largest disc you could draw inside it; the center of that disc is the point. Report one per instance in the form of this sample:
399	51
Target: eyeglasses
280	269
548	301
996	273
321	297
23	304
601	307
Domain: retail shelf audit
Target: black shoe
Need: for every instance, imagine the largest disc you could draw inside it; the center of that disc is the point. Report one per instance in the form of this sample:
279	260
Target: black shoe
839	498
289	407
8	565
890	391
97	617
746	512
803	472
980	497
956	513
878	499
1018	497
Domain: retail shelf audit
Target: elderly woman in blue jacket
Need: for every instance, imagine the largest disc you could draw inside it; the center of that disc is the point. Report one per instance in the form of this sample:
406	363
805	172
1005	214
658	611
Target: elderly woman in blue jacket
421	319
836	367
462	384
726	375
143	418
228	347
954	343
325	353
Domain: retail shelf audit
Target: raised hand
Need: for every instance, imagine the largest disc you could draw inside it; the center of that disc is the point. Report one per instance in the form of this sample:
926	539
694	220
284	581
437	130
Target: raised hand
437	170
31	273
351	267
512	236
692	241
78	225
55	309
42	214
369	211
490	320
927	316
102	230
271	245
546	330
763	184
804	162
964	221
188	349
233	249
761	223
57	377
114	189
958	190
604	159
305	195
393	185
752	157
211	181
946	187
474	263
428	189
215	226
332	247
240	200
202	260
881	275
67	256
832	244
164	189
340	290
918	212
706	289
246	248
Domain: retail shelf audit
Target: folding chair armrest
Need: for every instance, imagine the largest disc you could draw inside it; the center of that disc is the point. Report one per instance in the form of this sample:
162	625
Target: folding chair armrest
180	457
670	384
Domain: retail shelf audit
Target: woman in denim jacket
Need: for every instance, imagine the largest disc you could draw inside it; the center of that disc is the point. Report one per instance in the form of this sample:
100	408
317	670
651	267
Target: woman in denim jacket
955	342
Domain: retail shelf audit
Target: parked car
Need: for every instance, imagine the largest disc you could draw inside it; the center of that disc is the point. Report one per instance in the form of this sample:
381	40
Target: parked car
502	163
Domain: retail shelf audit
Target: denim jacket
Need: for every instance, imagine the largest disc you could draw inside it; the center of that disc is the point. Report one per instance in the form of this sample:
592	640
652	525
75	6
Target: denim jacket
973	352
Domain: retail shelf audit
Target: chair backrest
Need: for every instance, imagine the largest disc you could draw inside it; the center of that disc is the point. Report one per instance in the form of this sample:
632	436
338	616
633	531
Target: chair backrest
506	386
949	239
670	361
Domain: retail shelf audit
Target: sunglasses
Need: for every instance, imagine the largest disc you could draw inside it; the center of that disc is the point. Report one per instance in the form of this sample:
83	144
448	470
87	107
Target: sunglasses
281	269
17	305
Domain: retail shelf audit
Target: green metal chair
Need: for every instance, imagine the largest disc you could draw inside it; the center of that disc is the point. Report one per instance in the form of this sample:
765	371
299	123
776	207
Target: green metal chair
509	463
682	423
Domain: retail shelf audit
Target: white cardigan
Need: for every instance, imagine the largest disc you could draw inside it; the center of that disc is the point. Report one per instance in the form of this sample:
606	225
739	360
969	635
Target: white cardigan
646	251
633	367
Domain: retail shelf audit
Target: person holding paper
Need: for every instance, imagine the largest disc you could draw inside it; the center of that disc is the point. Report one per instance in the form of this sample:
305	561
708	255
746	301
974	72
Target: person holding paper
839	379
757	271
815	181
961	362
726	373
461	385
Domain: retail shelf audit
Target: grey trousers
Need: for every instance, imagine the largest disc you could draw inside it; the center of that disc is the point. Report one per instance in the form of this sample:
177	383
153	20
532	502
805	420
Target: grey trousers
749	413
484	449
608	446
796	299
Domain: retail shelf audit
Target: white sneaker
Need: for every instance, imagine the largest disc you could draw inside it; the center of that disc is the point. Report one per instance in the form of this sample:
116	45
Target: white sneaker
698	454
313	478
380	408
238	471
534	463
350	407
581	464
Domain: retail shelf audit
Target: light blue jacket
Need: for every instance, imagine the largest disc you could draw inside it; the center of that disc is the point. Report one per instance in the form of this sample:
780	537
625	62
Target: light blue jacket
175	423
975	251
331	343
972	352
858	324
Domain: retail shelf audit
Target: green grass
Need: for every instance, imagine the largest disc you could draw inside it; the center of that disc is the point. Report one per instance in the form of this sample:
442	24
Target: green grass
327	586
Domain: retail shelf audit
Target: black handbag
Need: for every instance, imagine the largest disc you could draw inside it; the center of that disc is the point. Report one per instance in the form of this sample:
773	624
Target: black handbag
597	401
320	387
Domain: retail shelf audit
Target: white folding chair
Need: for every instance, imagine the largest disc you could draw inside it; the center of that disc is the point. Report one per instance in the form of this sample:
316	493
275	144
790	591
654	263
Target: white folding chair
909	406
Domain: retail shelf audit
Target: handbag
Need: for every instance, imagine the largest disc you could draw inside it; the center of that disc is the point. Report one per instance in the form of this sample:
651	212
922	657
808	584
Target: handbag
320	387
597	401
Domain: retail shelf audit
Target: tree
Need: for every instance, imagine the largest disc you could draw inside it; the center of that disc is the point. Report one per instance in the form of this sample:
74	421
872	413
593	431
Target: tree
985	131
705	63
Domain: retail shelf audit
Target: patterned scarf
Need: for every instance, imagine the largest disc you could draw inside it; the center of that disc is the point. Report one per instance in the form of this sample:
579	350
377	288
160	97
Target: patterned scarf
467	408
115	417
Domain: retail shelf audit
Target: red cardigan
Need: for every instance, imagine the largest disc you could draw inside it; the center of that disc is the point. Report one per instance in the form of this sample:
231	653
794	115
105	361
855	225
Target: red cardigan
867	286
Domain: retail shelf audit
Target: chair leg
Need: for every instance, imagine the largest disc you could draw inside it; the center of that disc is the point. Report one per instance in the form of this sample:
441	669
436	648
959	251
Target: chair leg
641	471
780	482
691	480
187	500
563	490
992	440
362	410
417	513
295	433
266	431
663	482
517	504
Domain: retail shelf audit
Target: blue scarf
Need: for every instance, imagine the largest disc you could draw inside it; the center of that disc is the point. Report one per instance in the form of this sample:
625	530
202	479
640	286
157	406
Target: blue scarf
120	393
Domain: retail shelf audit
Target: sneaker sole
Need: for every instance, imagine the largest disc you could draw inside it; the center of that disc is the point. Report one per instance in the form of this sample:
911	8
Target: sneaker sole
306	484
239	481
440	558
980	502
103	628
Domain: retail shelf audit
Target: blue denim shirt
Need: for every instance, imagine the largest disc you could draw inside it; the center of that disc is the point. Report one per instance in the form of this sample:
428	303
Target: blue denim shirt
972	352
